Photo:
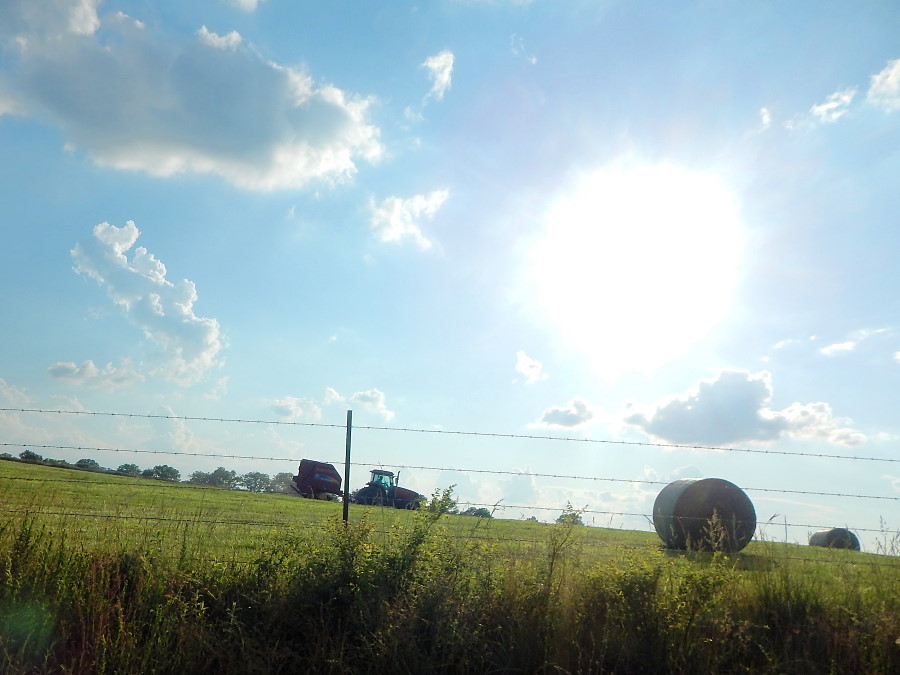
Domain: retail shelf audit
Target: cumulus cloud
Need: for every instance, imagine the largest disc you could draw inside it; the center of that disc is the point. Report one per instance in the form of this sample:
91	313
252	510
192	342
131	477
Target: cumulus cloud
834	107
532	369
395	220
575	413
734	408
765	118
440	71
230	41
884	87
206	105
164	311
292	407
108	378
372	400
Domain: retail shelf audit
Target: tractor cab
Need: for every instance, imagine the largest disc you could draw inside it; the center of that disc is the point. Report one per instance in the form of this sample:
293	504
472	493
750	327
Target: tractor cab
385	479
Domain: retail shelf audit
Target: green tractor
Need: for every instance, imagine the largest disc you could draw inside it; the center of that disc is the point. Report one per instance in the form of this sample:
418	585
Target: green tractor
382	490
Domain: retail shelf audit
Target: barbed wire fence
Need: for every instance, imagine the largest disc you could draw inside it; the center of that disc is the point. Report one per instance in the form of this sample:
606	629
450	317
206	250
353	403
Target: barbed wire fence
498	507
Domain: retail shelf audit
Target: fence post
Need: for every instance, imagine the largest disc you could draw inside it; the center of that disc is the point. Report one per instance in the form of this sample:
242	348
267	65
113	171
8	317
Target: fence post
347	468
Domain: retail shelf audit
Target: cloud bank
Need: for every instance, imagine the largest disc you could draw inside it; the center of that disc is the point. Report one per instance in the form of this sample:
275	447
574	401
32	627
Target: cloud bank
204	105
734	408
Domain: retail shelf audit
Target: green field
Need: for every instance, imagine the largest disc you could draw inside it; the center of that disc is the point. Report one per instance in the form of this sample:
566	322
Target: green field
103	573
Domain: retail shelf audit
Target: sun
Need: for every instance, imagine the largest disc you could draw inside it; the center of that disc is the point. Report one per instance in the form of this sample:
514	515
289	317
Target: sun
635	265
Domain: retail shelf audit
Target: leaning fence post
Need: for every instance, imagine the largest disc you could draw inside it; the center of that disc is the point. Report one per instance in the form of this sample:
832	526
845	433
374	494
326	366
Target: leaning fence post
347	468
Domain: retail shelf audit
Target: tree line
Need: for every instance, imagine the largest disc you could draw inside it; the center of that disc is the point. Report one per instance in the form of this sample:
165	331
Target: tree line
253	481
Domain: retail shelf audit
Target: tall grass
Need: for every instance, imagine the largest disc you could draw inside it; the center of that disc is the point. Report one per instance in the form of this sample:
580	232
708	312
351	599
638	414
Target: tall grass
356	598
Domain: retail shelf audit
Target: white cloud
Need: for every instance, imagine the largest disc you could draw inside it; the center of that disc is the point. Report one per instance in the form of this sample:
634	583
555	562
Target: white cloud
246	5
396	219
894	481
734	408
230	41
332	396
12	396
884	87
816	420
133	101
576	413
440	70
765	118
292	407
164	311
532	369
856	338
83	19
835	106
218	390
372	400
108	378
838	347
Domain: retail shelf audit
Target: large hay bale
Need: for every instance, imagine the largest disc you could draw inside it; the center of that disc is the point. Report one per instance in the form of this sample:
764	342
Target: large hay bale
704	514
836	537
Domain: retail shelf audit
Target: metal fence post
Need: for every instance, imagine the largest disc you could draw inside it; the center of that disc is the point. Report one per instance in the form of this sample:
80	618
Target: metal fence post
347	468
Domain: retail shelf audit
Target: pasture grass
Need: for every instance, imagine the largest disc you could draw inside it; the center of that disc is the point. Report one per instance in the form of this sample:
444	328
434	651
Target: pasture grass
104	574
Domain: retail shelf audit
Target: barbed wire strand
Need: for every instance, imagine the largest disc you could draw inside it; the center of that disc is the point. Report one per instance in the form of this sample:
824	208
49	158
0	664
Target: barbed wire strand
496	472
571	439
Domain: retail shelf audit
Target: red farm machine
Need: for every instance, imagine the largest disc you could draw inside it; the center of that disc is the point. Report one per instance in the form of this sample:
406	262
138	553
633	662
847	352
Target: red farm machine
382	490
317	480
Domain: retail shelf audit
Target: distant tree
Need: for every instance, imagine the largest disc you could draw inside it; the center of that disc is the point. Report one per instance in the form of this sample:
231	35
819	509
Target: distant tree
282	482
88	465
164	472
478	513
255	481
222	477
200	478
531	519
147	473
29	456
570	516
129	469
6	455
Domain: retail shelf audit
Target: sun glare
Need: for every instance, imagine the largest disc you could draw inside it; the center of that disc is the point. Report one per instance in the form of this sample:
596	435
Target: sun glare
636	265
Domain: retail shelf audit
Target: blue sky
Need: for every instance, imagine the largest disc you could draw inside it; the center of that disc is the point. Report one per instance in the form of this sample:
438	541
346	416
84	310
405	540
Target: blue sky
662	223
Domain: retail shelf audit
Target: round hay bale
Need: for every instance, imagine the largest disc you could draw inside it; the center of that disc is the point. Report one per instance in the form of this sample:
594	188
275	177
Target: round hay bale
708	514
836	537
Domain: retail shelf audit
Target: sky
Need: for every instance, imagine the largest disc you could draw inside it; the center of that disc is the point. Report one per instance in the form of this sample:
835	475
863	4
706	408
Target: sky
630	224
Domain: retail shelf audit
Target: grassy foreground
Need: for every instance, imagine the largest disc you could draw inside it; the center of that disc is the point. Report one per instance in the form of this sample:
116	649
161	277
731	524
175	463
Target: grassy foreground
107	575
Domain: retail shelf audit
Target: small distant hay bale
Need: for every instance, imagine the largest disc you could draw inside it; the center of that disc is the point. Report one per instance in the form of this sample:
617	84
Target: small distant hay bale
709	514
836	537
